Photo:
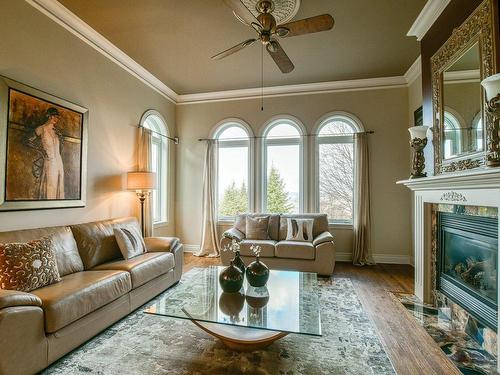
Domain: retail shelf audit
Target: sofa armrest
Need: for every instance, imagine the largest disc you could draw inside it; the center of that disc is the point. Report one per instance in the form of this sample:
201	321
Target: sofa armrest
160	244
322	238
12	298
235	234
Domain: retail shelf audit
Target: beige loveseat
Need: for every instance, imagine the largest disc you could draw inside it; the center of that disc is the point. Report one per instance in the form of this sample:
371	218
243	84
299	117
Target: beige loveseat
98	288
277	253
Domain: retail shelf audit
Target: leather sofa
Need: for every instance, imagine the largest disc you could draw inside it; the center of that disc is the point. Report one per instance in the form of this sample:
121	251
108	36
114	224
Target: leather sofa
317	256
98	288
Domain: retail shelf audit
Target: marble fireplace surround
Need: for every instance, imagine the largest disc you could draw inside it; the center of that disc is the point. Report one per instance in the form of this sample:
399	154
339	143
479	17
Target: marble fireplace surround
470	188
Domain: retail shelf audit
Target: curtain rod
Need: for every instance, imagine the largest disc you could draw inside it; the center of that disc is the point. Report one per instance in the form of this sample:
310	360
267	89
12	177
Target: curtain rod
280	137
173	139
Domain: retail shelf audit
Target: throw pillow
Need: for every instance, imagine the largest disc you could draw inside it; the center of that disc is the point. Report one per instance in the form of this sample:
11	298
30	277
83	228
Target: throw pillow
299	230
256	228
28	266
130	241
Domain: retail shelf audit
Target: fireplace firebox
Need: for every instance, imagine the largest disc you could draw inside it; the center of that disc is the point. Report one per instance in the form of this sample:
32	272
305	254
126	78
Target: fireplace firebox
467	263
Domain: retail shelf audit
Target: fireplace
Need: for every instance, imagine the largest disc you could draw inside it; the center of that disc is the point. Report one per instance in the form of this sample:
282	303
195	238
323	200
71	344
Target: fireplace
467	263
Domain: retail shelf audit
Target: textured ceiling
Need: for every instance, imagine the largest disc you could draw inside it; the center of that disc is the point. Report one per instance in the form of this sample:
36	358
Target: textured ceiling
174	40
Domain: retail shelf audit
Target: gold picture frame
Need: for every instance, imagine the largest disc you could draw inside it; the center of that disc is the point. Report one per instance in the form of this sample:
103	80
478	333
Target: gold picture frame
43	149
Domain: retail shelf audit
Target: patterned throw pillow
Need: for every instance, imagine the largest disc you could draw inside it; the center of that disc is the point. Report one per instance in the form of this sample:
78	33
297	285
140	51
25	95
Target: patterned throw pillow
256	228
299	230
28	266
130	241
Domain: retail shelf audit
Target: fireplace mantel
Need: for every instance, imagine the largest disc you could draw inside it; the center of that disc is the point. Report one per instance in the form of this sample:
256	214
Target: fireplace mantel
480	179
472	188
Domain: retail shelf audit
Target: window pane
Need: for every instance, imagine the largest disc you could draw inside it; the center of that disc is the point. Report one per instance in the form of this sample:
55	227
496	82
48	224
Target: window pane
283	131
233	132
155	160
283	179
232	181
336	127
336	167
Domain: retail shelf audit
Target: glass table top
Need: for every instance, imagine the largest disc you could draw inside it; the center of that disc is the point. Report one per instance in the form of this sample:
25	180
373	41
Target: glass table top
288	303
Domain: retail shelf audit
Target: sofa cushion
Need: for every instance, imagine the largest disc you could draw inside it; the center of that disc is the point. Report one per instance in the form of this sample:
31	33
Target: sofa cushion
320	224
142	268
267	248
299	230
273	228
256	228
160	244
96	241
67	256
79	294
25	266
295	250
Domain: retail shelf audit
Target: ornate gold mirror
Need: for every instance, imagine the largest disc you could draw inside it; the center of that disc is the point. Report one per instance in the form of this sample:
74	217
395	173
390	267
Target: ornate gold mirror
461	121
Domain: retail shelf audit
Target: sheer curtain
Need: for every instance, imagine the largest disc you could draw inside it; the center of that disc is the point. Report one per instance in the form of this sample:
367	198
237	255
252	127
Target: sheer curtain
361	226
145	165
209	237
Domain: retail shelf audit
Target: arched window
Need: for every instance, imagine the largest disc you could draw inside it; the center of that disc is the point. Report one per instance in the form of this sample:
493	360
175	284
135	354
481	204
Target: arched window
335	166
155	122
477	132
233	168
283	167
452	136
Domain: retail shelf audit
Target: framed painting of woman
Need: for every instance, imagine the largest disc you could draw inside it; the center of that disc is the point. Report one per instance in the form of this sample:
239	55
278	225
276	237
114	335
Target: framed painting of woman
43	149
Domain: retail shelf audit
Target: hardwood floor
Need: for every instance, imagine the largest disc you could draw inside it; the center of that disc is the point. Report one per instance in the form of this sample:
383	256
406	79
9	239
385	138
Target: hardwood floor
411	349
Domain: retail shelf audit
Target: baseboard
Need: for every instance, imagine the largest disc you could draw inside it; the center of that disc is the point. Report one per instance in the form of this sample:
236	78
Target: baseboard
378	258
191	248
341	257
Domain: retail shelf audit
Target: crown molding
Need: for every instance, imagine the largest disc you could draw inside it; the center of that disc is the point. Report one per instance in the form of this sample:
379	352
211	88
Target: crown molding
462	76
429	14
64	17
291	90
414	71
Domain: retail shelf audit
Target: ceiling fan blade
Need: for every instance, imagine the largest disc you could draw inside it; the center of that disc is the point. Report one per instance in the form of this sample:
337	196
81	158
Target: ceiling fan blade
307	26
280	57
242	11
234	49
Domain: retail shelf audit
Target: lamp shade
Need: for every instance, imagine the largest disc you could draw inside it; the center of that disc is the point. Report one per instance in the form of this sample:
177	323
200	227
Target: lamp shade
141	180
491	86
418	132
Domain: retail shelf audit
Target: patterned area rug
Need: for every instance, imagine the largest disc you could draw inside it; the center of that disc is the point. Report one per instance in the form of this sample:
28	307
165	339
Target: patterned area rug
146	344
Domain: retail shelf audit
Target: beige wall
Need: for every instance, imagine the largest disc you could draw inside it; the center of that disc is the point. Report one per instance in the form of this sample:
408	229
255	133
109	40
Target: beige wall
384	111
38	52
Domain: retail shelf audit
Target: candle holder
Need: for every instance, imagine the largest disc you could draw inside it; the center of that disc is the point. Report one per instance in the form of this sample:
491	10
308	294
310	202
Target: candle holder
492	90
418	141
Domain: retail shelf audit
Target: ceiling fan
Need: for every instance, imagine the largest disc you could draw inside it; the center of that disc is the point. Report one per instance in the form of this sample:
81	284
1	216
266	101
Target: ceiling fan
265	25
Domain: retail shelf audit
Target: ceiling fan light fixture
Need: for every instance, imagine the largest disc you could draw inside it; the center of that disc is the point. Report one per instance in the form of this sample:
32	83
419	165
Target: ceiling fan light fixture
282	32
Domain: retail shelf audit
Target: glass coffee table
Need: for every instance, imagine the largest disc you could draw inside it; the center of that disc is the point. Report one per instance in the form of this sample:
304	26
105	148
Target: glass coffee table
251	319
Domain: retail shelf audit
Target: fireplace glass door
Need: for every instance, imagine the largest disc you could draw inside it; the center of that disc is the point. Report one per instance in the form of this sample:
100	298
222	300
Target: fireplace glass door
468	263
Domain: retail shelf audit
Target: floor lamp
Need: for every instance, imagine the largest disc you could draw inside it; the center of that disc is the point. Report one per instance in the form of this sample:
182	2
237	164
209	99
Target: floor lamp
142	183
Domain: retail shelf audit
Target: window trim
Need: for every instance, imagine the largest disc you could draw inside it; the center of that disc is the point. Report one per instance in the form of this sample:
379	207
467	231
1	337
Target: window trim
322	121
163	129
214	134
296	123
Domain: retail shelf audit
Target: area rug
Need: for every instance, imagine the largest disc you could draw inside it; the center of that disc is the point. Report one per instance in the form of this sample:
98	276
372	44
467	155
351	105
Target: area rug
146	344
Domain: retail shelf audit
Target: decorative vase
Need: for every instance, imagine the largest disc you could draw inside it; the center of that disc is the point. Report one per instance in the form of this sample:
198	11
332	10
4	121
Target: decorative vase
231	279
257	273
257	297
231	304
238	262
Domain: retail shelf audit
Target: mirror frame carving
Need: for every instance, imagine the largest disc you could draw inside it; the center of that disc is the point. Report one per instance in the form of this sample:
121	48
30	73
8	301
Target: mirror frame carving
477	28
